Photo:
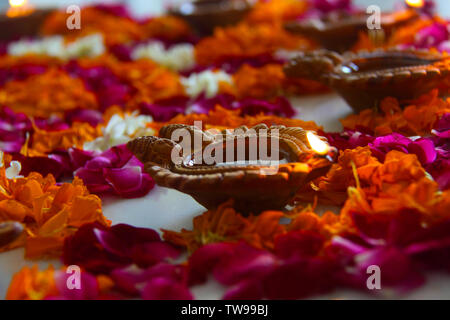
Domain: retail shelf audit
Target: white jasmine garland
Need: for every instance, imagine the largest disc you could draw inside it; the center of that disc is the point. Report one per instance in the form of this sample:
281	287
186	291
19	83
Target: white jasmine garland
51	46
205	82
89	46
178	58
119	130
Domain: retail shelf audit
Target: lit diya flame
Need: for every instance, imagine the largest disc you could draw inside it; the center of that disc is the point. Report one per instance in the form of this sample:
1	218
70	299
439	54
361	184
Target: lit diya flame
319	146
415	3
18	8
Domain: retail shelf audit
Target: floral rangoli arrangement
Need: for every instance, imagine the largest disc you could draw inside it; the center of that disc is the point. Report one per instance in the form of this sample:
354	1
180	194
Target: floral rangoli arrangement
72	100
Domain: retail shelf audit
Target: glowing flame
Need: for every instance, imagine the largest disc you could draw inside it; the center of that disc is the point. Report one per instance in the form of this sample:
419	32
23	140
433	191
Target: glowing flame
18	8
415	3
17	3
319	146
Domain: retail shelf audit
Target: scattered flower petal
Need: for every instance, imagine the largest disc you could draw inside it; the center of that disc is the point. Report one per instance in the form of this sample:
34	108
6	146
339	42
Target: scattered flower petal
114	171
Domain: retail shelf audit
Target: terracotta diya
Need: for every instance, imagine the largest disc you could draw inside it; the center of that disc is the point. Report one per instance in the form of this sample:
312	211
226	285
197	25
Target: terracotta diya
9	231
253	185
205	15
340	31
365	78
26	25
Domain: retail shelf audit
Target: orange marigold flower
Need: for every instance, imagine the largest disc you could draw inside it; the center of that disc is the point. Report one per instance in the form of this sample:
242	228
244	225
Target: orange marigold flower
116	30
8	61
52	92
47	141
367	186
263	229
402	178
50	212
270	81
399	183
328	224
245	40
403	35
398	169
332	188
222	118
167	27
32	284
151	82
408	32
264	82
225	224
418	118
277	10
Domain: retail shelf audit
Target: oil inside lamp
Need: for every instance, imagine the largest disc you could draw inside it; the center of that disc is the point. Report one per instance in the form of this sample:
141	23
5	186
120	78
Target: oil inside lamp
18	8
319	146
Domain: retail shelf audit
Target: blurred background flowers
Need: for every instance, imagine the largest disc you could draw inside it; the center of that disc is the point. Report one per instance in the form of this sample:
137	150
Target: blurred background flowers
146	7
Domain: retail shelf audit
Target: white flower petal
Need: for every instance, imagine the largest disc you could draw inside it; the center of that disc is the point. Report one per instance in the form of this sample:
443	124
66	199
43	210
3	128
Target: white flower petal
179	57
89	46
120	130
14	170
205	82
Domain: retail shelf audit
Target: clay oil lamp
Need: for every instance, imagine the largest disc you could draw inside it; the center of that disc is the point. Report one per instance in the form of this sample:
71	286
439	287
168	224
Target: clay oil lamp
365	78
21	20
339	31
9	231
255	184
205	15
